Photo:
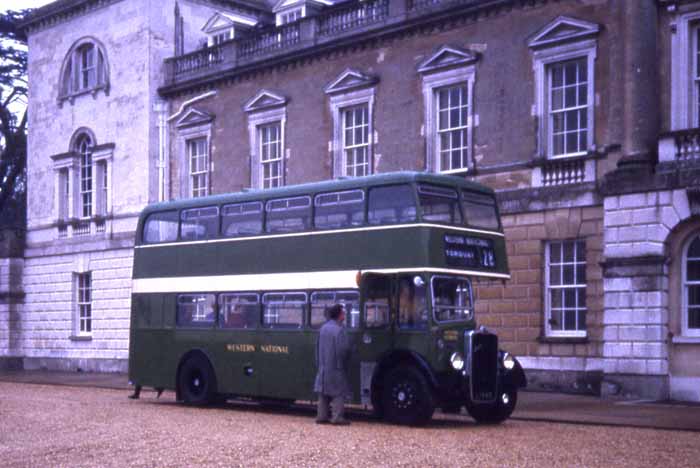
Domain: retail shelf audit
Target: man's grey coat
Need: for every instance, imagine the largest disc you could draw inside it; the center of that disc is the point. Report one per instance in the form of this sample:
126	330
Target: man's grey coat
332	356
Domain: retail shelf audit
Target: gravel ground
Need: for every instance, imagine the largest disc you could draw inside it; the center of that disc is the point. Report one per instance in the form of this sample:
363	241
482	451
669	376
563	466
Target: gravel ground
50	426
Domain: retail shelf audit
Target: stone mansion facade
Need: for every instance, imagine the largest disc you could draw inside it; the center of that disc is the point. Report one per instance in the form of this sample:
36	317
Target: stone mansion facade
584	116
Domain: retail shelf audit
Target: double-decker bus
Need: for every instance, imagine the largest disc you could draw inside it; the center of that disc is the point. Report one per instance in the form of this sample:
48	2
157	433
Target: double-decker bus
229	292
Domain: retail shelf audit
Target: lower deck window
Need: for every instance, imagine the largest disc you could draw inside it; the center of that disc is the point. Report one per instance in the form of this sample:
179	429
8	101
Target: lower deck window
284	310
196	310
321	301
239	310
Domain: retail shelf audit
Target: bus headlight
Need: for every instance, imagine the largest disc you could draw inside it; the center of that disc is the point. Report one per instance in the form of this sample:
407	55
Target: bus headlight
457	361
508	361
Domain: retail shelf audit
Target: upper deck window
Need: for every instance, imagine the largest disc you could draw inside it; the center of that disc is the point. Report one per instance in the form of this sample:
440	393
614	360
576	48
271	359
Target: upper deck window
392	204
160	227
284	310
242	219
479	210
288	214
439	204
199	223
339	209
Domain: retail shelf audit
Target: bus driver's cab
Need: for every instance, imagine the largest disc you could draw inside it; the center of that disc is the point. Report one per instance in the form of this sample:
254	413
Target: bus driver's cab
418	348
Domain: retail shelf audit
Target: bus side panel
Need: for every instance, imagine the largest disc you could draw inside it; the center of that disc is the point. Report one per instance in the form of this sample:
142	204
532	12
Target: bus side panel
286	364
150	338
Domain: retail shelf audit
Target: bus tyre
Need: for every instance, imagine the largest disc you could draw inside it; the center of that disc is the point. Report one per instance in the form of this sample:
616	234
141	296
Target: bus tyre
495	413
196	381
407	397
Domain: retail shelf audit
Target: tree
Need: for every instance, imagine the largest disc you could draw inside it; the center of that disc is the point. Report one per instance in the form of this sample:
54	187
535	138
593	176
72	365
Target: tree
13	118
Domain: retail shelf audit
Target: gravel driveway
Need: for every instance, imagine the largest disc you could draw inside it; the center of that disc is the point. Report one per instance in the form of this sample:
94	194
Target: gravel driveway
52	426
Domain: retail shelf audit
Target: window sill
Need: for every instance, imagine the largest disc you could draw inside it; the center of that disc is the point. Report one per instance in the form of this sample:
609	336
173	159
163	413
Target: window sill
93	91
563	339
686	340
81	338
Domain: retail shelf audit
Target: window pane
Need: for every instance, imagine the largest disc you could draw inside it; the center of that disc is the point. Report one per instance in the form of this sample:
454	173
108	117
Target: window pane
566	284
439	204
694	249
242	219
393	204
451	299
339	209
284	310
321	301
196	310
479	210
413	309
199	223
239	310
161	227
288	215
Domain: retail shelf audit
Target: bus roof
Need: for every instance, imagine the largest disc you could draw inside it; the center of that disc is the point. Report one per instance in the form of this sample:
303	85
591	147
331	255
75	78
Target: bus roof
319	187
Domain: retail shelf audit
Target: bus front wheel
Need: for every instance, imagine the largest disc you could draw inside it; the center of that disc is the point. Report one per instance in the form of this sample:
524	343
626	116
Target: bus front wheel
497	412
196	381
407	397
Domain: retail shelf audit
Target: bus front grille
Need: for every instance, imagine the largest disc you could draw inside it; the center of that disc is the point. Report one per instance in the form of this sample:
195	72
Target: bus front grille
482	359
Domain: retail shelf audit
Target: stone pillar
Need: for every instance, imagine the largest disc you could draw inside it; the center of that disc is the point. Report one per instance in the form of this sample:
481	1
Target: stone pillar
11	295
641	105
635	286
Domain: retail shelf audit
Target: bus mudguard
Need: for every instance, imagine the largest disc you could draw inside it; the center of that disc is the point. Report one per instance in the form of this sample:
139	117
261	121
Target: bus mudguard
515	377
398	356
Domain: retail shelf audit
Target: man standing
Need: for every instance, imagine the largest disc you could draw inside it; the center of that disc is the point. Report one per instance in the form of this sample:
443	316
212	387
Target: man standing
332	356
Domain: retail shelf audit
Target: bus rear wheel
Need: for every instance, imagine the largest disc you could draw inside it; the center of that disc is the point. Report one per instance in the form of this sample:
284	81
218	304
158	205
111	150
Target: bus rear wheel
407	397
495	413
197	382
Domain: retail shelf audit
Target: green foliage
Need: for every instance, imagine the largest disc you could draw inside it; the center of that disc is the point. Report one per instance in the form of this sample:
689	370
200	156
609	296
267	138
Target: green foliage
13	119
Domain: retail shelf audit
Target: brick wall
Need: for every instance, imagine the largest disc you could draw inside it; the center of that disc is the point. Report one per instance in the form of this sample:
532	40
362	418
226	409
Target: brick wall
516	310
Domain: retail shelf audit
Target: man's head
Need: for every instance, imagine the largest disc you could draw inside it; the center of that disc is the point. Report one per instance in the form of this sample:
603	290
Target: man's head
336	312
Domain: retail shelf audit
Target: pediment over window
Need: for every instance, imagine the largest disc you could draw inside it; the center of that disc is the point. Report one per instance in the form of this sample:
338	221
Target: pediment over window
284	4
227	20
265	99
193	117
563	29
447	56
351	79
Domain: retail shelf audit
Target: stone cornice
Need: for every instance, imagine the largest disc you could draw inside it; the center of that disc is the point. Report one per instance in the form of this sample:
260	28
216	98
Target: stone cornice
63	10
447	15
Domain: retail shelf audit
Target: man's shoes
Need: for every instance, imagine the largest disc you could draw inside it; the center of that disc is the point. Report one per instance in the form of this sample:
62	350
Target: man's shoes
341	422
322	421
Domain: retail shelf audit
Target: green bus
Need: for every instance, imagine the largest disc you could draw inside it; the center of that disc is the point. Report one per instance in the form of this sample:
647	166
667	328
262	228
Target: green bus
229	292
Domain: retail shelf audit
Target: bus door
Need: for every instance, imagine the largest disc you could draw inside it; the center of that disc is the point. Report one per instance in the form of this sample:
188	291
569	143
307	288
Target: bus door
236	338
320	302
375	337
283	352
411	324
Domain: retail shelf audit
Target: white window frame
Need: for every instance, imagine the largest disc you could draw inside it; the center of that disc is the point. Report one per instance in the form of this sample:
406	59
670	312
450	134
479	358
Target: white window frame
184	135
265	146
86	197
432	83
290	16
261	118
685	93
542	61
83	317
685	330
221	35
339	103
203	172
548	287
78	77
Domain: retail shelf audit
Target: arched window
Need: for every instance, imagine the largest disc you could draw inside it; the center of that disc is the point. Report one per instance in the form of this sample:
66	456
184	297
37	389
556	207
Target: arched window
83	147
84	69
691	288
